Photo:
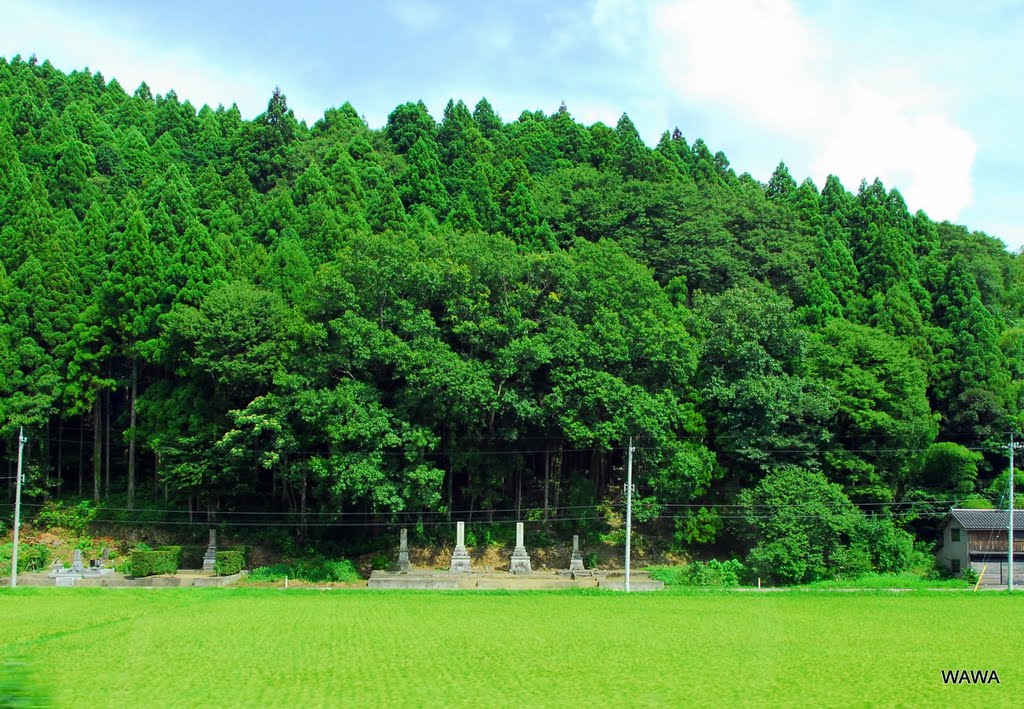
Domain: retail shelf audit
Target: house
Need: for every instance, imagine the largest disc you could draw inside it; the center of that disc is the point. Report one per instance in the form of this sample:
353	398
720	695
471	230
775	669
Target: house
976	539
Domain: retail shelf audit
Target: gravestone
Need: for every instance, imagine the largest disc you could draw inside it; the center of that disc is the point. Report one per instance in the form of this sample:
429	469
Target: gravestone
576	563
76	562
403	552
460	557
210	558
78	570
520	559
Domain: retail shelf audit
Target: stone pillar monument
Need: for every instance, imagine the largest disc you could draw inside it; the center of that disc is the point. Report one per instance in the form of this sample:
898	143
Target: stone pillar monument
576	563
76	562
210	558
520	559
460	557
403	552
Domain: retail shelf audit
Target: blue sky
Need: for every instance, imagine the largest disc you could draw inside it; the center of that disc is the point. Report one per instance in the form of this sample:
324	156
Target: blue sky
925	95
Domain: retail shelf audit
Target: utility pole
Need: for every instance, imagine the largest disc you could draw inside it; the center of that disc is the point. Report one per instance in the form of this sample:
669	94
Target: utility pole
1009	528
17	510
629	505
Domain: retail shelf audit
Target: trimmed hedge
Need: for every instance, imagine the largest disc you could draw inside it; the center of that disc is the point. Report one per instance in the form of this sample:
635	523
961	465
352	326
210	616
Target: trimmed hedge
158	561
229	562
176	550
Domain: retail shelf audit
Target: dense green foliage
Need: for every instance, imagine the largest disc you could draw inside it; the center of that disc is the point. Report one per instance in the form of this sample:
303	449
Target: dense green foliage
339	325
229	562
315	570
31	557
154	561
812	648
700	573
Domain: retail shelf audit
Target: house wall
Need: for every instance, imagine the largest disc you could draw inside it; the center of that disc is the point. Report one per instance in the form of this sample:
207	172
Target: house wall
951	550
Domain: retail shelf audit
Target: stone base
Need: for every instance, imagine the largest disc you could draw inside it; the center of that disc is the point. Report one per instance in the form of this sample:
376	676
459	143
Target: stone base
403	562
460	561
415	582
209	564
576	563
520	562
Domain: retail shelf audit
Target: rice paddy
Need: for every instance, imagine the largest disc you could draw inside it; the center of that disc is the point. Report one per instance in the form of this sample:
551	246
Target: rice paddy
272	648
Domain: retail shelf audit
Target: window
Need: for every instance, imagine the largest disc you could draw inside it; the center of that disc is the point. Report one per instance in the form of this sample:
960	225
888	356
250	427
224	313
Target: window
954	534
954	566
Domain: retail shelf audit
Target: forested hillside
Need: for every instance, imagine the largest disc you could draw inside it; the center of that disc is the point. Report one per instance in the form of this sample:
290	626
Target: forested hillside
472	317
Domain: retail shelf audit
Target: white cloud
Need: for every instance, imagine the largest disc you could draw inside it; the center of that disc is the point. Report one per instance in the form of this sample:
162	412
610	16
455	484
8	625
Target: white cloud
779	75
589	113
755	56
922	152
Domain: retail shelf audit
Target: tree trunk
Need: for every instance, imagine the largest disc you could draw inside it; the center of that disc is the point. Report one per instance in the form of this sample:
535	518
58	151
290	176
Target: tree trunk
131	435
519	494
46	453
302	508
107	434
451	487
547	479
557	469
97	446
81	456
60	454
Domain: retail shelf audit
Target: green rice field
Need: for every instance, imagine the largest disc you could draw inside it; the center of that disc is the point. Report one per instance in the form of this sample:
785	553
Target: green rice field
307	648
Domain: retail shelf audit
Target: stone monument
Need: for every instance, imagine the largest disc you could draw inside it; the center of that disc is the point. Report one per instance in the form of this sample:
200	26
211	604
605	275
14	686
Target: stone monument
76	562
520	559
576	563
403	552
78	570
460	557
210	558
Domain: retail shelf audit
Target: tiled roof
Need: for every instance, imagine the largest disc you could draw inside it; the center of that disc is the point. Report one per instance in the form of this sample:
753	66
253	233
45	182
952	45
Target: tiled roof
988	519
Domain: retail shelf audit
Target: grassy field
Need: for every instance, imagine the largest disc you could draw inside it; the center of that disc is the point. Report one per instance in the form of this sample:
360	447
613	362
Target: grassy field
269	648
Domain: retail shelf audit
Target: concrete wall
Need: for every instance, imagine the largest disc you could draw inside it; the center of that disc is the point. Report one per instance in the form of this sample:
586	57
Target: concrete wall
953	550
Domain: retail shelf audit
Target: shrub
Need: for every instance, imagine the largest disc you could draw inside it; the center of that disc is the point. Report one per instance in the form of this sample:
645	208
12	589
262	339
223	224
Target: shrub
31	557
74	518
177	552
797	520
699	573
271	573
158	561
700	527
245	550
380	562
669	575
229	562
315	570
